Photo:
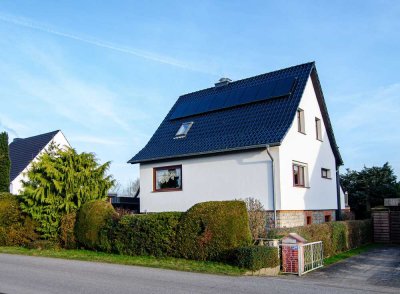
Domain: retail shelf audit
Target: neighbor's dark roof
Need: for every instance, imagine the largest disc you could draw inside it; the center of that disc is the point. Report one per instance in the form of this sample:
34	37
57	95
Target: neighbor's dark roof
23	151
245	126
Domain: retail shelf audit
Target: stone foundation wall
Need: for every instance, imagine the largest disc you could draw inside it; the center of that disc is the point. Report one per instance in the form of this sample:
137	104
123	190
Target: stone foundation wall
296	218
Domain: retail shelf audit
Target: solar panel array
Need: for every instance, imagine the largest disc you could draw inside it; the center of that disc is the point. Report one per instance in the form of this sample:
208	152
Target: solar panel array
221	98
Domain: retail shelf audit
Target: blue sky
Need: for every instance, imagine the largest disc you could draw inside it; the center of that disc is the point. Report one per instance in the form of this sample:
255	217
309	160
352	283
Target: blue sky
107	72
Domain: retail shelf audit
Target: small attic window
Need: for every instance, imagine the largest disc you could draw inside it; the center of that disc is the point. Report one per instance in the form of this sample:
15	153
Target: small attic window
183	130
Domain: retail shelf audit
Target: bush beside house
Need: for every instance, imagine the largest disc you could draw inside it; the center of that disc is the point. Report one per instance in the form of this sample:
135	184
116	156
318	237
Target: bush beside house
255	257
16	228
336	236
150	234
91	219
209	229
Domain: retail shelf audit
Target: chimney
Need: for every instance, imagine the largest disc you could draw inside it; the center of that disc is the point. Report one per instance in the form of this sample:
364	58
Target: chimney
223	82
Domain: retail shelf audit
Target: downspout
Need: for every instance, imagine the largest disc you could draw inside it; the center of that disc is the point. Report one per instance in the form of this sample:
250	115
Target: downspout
273	184
339	204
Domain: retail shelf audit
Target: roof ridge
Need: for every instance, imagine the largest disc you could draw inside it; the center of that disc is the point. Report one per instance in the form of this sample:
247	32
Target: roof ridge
252	78
44	134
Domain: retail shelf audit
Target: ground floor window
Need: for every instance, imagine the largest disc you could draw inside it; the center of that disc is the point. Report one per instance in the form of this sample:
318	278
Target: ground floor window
309	220
327	218
167	178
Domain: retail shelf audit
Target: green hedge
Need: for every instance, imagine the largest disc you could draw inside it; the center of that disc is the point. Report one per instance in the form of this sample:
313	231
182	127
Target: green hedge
209	229
91	219
16	228
150	234
336	236
255	257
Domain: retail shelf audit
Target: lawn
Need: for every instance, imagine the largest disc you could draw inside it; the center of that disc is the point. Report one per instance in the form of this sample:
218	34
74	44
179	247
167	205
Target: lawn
148	261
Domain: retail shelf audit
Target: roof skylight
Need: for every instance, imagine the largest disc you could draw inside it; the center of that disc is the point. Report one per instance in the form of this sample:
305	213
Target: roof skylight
183	130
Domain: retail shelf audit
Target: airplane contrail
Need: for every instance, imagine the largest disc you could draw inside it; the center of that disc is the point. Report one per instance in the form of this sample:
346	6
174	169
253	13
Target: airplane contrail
24	22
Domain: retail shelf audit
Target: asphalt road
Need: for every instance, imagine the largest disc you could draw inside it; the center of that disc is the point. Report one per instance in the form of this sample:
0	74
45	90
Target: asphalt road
31	275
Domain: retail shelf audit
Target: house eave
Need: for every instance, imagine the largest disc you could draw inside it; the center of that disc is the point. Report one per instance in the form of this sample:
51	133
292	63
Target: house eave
196	154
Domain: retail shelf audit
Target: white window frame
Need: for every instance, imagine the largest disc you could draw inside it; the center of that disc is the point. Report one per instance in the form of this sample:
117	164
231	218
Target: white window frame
304	167
301	127
183	130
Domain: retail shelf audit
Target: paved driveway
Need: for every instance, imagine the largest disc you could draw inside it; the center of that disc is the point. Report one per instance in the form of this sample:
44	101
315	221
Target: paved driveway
378	268
373	272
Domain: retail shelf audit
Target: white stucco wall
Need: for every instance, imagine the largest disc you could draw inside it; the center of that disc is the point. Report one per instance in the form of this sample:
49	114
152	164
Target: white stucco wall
321	193
227	176
16	185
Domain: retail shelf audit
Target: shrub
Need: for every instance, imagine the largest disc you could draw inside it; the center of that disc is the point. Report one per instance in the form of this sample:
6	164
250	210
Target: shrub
209	229
336	236
16	228
151	234
67	234
43	245
257	217
255	257
91	219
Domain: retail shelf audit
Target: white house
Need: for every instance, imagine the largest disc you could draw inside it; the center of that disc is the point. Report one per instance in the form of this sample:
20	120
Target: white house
268	137
24	151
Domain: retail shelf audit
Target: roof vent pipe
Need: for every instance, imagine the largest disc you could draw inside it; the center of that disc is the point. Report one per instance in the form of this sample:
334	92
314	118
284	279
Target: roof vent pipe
223	82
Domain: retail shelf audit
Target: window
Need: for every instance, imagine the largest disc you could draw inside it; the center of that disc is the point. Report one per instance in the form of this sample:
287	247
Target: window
300	121
325	173
168	178
299	174
327	218
183	130
318	129
309	220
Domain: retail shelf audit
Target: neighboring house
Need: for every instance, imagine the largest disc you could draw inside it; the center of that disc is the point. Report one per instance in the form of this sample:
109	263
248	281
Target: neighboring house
24	151
268	137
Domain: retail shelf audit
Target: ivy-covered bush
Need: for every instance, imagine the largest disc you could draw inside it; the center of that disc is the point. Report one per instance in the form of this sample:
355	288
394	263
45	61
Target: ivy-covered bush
255	257
151	234
336	236
16	228
91	219
209	229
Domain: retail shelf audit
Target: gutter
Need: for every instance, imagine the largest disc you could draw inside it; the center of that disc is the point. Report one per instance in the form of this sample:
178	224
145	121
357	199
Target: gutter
183	156
339	204
273	184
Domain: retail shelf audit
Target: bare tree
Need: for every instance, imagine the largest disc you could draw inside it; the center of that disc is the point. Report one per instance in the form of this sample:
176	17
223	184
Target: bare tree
132	188
257	217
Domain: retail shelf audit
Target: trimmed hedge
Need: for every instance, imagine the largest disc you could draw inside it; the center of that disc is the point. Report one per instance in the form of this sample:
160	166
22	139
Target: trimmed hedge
16	228
91	219
336	236
150	234
255	257
209	229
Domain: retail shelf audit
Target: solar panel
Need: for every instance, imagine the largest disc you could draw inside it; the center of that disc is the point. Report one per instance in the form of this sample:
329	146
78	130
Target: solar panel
229	98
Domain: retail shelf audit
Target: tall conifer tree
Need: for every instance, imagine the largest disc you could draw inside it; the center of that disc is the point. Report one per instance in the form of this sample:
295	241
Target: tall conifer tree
5	163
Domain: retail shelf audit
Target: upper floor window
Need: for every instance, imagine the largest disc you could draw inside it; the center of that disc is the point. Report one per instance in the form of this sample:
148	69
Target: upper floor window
300	121
326	173
167	178
183	130
299	174
318	129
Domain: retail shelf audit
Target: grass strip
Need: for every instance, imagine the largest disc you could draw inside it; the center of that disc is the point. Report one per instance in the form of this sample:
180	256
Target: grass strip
147	261
350	253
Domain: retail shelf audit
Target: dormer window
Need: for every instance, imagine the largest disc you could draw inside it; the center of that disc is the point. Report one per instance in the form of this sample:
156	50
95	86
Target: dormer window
183	130
300	121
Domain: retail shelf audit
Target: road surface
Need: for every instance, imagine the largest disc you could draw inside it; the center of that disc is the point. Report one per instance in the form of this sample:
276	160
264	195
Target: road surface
38	275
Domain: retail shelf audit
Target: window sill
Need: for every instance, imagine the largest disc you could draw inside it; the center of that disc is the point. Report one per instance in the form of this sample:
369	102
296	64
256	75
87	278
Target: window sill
305	187
319	140
326	178
166	190
304	133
